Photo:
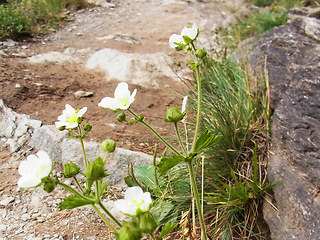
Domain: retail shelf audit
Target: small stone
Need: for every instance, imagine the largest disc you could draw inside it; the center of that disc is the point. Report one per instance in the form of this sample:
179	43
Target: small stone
25	217
6	201
80	94
17	85
2	227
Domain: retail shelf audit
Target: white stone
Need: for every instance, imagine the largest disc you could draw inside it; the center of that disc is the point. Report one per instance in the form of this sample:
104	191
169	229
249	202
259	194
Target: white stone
6	201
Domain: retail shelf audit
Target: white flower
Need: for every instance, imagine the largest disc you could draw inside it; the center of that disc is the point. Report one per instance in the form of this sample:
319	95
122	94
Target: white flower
190	32
69	117
122	98
174	39
34	169
184	104
134	199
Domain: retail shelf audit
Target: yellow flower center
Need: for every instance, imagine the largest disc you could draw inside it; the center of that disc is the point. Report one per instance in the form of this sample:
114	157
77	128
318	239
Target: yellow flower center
123	100
40	170
72	118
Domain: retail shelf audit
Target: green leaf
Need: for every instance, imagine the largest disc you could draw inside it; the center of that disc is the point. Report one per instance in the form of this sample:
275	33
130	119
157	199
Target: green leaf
74	201
166	163
205	140
160	209
167	229
102	188
130	181
146	175
186	39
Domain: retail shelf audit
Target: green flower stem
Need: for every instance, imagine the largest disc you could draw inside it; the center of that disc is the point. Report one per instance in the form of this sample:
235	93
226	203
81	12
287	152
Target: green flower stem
82	146
199	110
104	218
78	184
109	214
196	196
70	189
179	138
105	157
155	164
157	134
195	138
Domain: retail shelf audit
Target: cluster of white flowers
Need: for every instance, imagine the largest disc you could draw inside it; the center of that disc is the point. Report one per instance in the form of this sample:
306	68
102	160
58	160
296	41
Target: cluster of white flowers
37	167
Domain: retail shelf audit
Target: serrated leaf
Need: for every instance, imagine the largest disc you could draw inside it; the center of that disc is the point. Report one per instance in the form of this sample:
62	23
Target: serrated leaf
166	163
166	229
74	201
160	210
103	187
146	174
205	140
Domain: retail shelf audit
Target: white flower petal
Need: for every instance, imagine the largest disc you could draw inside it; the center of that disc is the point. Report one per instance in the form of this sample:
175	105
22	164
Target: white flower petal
71	125
82	111
134	199
122	91
110	103
25	182
174	38
191	32
69	109
122	98
33	169
133	193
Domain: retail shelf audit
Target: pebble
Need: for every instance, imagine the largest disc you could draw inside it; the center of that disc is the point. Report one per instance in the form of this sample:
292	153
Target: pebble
80	94
6	201
25	217
2	227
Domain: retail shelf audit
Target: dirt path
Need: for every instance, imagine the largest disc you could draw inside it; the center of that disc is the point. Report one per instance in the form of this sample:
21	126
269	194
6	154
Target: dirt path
135	29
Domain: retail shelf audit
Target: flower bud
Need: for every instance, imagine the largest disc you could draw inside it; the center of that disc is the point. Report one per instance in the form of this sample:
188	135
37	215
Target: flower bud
62	128
87	127
129	231
79	120
70	170
48	185
95	170
147	224
108	145
174	114
201	53
121	117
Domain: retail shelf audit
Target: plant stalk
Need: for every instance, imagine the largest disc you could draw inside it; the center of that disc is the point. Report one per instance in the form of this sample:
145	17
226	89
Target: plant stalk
82	146
196	196
109	214
155	132
179	138
103	218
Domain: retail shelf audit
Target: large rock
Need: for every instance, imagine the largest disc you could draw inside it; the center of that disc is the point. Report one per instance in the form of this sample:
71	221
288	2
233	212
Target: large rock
292	54
15	129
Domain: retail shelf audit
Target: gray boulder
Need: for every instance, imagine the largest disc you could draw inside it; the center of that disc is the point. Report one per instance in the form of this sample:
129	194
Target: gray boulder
292	54
15	129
